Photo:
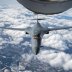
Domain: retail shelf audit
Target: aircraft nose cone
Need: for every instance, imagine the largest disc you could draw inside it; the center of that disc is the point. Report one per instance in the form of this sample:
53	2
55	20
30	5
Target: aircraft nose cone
36	50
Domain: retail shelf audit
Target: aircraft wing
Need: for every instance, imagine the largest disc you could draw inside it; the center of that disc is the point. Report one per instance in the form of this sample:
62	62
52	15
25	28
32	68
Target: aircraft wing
8	28
59	28
28	30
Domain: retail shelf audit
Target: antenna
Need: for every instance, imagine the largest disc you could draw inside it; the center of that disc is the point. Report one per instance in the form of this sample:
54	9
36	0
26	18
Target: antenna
37	18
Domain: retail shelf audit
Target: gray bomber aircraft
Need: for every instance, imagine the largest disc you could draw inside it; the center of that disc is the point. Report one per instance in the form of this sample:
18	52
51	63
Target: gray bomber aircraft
42	7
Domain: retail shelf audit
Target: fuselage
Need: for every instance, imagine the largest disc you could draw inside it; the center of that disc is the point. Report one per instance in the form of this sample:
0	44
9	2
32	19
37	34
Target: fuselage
46	6
36	43
36	38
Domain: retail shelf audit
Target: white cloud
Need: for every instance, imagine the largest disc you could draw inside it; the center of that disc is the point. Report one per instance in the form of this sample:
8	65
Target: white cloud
55	41
68	65
56	59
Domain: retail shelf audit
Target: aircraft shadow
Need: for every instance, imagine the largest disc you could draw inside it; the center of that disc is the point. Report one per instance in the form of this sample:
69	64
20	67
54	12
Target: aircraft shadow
68	51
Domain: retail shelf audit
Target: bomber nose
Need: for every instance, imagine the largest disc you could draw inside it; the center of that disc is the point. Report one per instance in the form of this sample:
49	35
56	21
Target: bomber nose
36	42
36	50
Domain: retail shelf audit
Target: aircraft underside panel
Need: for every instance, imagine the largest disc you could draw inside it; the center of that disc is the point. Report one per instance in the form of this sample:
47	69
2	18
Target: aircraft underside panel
46	7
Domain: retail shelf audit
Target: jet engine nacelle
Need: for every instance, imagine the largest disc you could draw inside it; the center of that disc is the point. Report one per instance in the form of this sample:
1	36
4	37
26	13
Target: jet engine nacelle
26	33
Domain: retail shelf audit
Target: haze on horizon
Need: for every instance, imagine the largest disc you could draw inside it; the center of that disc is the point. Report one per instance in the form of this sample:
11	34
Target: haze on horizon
9	2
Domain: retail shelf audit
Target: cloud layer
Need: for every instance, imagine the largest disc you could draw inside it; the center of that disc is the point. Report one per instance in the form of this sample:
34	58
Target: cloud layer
56	45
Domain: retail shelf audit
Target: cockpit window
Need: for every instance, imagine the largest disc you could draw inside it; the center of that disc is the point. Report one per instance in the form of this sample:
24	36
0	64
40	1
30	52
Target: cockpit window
36	36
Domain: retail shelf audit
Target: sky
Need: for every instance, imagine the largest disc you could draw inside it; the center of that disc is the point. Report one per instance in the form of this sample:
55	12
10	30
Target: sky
9	2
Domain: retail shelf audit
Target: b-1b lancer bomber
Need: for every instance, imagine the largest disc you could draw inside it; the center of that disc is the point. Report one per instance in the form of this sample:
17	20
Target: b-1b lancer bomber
46	7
